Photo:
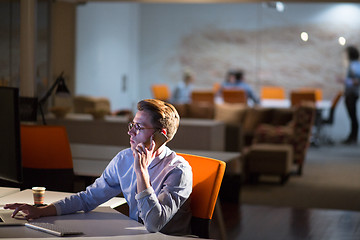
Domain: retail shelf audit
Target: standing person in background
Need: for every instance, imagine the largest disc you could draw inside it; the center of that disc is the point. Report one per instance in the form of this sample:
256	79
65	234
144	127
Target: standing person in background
235	79
351	83
182	92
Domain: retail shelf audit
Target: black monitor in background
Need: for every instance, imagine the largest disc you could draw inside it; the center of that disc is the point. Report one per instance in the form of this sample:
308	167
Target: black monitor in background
10	150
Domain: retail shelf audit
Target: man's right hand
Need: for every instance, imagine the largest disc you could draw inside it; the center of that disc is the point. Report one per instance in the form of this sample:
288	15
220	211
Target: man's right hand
31	212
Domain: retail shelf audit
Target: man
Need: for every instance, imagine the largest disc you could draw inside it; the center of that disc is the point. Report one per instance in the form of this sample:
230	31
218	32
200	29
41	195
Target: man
352	91
235	79
155	183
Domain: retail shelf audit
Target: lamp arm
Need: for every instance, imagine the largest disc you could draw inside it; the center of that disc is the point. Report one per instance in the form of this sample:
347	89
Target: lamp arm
48	93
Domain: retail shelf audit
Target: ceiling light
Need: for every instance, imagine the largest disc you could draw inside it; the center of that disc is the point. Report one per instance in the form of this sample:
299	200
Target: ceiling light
342	41
304	36
279	6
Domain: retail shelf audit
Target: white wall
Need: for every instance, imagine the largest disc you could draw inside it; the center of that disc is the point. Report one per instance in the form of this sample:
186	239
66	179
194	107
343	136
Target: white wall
211	38
258	39
106	52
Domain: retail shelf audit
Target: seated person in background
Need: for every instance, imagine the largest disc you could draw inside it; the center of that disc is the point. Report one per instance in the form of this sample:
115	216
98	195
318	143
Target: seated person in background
155	183
182	92
235	79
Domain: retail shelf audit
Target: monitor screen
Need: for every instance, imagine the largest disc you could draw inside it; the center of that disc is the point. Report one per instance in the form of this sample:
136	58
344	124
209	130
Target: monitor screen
10	151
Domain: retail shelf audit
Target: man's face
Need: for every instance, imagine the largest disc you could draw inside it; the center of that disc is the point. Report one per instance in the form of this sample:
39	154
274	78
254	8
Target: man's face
146	129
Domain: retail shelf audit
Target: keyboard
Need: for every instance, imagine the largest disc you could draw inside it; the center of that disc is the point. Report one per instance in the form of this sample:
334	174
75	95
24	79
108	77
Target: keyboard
52	229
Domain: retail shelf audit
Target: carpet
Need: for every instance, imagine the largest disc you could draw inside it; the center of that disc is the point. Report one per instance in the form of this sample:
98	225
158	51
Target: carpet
330	180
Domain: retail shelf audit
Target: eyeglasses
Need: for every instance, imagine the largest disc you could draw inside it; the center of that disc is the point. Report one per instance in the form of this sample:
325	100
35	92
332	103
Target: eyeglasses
137	127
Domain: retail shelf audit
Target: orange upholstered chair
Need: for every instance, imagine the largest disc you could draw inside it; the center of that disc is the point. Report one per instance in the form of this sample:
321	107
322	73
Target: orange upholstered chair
207	177
161	92
234	96
272	92
46	157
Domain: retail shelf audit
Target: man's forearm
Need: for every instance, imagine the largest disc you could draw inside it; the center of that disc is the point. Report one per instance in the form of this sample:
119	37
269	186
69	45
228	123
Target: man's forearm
143	180
49	210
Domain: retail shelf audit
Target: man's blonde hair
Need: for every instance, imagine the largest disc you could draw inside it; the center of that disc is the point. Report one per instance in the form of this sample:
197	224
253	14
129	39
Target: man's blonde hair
163	115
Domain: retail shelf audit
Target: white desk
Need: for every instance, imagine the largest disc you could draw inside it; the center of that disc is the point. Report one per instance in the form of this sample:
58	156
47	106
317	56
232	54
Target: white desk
91	160
101	222
51	196
285	103
4	191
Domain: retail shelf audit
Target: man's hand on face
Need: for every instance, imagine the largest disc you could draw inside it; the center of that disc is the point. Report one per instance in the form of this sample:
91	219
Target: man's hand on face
143	156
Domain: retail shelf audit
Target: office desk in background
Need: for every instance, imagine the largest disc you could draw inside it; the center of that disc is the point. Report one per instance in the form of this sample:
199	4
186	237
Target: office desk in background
90	160
101	222
286	103
204	134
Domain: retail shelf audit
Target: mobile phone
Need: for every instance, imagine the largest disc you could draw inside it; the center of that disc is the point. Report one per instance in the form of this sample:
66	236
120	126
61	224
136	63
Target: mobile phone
159	139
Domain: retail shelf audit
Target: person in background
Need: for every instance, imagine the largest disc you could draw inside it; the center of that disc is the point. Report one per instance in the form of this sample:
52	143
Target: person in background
235	79
155	183
352	82
182	92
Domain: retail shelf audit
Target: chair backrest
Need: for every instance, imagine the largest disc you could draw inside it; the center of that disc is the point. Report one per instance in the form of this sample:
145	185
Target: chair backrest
317	91
207	177
203	96
272	92
161	92
46	150
297	97
234	96
45	147
334	102
336	99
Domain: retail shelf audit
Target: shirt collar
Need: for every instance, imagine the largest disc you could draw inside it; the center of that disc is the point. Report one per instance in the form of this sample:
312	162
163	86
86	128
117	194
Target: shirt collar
166	152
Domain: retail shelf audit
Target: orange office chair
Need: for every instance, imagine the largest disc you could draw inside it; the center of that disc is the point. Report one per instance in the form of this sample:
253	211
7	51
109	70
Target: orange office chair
297	97
207	177
207	97
234	96
161	92
46	158
272	92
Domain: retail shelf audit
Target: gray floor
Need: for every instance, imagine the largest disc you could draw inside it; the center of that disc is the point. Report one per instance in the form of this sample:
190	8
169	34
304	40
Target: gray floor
331	180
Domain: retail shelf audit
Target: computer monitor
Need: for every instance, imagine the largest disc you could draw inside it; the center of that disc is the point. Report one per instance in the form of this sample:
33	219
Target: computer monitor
10	151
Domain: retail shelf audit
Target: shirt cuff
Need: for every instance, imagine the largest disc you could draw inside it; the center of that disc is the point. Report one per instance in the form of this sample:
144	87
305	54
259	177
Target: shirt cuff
144	193
58	209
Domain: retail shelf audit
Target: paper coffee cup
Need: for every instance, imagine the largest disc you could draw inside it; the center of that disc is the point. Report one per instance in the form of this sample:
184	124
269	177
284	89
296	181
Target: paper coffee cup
38	193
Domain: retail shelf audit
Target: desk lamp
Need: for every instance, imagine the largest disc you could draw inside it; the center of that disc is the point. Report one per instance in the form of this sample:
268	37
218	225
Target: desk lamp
61	91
